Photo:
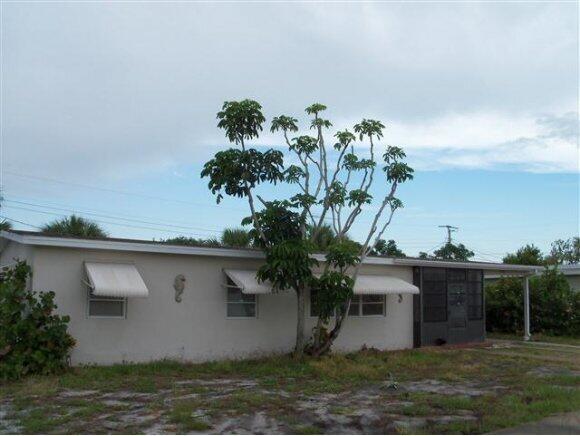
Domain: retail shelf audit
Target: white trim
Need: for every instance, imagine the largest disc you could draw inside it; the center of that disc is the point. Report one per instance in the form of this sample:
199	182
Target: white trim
98	244
145	247
470	265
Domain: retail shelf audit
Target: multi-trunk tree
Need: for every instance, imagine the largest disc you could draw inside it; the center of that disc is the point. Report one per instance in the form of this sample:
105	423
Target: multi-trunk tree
333	180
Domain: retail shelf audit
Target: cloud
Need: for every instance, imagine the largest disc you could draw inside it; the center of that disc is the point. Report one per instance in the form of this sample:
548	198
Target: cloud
116	90
492	141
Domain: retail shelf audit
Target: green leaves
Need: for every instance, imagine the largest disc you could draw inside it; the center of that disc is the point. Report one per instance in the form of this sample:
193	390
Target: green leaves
369	128
241	120
315	109
451	251
336	193
319	122
554	306
387	248
33	340
393	154
395	203
345	138
289	230
343	253
288	265
293	174
398	172
304	145
351	162
74	226
303	200
284	123
278	222
330	292
358	197
235	171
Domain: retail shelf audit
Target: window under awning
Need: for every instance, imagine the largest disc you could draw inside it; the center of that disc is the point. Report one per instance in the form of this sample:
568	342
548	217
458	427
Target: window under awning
115	280
365	284
247	281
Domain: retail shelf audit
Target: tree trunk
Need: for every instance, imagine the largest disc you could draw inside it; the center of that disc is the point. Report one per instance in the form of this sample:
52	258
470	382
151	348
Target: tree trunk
324	347
299	348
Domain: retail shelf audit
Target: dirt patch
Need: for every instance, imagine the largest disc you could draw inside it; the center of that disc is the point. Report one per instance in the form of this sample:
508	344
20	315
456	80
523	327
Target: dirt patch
7	425
238	406
442	388
551	371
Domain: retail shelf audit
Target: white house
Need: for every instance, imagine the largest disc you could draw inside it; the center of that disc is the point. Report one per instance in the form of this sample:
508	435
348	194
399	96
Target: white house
140	300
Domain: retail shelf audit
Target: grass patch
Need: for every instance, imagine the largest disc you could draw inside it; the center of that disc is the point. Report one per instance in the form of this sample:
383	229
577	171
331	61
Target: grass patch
537	337
307	429
453	403
182	416
39	409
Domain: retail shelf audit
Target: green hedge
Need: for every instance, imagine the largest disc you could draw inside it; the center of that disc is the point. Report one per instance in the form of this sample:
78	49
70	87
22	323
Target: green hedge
554	307
33	340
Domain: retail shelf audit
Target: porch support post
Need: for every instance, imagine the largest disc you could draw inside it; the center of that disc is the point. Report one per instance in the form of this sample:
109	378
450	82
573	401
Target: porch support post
527	335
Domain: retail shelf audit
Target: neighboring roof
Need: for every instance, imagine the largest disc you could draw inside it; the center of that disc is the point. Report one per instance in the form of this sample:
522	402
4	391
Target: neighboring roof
134	245
570	270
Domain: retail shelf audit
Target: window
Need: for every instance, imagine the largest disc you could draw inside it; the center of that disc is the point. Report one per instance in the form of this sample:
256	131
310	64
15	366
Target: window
434	294
106	307
240	305
360	305
313	311
474	294
367	305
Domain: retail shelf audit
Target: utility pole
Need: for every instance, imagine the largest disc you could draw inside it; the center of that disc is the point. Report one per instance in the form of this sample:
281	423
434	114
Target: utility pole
450	229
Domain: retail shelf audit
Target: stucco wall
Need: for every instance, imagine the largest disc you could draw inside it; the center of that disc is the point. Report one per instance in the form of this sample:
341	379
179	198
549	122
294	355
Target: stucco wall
12	251
197	328
574	282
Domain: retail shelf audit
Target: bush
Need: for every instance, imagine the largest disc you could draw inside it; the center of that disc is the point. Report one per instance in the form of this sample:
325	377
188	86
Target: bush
33	340
554	307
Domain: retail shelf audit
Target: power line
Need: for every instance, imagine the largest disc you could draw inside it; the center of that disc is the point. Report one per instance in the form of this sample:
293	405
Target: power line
79	212
110	222
117	191
20	222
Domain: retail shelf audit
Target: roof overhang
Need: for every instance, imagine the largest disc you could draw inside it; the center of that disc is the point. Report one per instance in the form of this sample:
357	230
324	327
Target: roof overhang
151	247
521	269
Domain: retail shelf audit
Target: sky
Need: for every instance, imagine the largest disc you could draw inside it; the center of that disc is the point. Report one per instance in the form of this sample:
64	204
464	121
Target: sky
108	110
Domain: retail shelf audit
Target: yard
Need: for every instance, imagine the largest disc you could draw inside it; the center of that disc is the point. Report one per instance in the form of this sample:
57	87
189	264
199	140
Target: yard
446	390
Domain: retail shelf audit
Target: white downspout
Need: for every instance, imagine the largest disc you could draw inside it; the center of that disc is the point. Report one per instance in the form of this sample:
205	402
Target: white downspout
527	335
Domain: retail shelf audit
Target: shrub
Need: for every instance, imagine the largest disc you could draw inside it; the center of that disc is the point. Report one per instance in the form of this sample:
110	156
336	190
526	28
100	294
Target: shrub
554	307
33	340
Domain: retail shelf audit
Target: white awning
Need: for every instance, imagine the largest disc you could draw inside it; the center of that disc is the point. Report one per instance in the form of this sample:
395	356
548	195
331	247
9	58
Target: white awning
365	284
383	285
115	280
247	282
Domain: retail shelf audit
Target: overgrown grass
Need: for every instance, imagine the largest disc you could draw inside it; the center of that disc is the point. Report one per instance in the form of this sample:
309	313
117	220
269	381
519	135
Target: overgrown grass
182	415
525	397
537	337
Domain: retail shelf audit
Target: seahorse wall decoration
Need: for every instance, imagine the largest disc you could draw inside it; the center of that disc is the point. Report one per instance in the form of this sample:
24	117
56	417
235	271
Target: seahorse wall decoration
179	286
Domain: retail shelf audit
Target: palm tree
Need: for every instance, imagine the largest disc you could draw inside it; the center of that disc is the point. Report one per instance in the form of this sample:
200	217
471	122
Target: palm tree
236	237
5	225
74	226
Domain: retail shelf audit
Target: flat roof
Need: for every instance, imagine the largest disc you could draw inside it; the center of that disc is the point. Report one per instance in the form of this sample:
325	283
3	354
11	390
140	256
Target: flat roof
144	246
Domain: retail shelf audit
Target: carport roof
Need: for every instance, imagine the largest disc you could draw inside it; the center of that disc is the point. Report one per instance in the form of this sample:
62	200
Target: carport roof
135	245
